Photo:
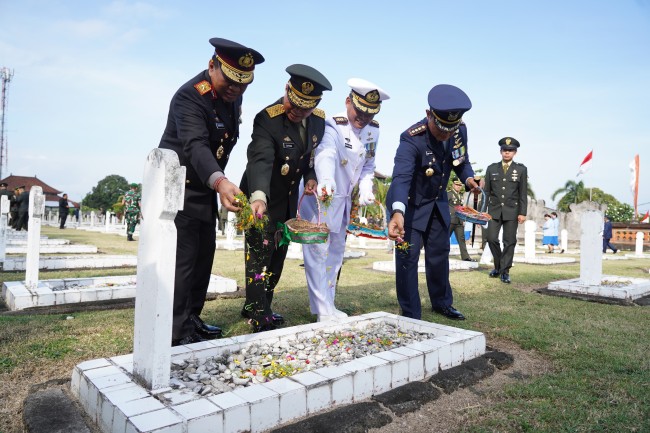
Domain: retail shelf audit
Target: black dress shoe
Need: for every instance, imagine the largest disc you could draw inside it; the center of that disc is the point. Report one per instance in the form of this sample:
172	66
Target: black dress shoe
469	259
202	328
494	273
505	278
449	312
192	338
278	319
264	327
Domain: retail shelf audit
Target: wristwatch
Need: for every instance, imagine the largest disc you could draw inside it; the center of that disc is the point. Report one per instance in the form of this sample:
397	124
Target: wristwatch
397	211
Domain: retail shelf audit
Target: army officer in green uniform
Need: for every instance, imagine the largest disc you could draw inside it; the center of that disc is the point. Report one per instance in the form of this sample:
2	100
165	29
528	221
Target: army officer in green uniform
280	156
506	189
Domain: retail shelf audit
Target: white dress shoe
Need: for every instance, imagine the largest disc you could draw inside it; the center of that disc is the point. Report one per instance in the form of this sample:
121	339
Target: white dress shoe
326	318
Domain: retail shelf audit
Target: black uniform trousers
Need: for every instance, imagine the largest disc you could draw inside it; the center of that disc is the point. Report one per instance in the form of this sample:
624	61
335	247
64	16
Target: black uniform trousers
63	215
195	245
264	264
502	259
23	220
436	264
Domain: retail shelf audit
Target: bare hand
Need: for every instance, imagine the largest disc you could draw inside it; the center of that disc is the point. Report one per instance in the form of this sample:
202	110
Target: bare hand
396	226
258	207
473	186
521	219
227	192
310	187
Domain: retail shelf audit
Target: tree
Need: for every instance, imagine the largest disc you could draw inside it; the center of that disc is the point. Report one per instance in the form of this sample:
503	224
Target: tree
573	193
106	193
621	212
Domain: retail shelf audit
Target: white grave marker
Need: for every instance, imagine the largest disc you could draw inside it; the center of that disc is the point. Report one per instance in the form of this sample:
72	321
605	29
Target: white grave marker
564	240
231	228
4	210
107	221
529	239
638	248
93	218
591	245
36	211
163	189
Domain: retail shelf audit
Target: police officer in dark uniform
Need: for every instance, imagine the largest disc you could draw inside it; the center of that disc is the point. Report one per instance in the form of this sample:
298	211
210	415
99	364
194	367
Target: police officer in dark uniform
13	208
280	155
506	189
456	225
417	200
22	200
202	128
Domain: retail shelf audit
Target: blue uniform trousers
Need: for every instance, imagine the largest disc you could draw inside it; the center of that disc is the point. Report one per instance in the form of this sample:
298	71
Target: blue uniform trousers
436	258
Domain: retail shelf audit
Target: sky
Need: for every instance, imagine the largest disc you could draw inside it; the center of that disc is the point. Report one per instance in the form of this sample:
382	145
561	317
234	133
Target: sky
93	79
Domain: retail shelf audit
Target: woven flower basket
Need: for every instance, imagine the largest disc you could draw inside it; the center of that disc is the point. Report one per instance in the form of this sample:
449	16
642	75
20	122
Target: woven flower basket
466	213
307	232
373	231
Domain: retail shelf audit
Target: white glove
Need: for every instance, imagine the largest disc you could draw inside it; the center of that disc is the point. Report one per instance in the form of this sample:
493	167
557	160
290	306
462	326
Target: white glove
366	198
328	185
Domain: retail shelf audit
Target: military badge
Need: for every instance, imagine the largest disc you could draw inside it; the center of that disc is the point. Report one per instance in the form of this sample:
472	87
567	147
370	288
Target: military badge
307	87
246	60
344	162
203	87
370	149
220	152
372	96
456	162
314	138
284	170
508	141
429	172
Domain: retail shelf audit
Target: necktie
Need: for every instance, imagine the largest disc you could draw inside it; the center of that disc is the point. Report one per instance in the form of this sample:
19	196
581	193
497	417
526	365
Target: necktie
303	132
505	168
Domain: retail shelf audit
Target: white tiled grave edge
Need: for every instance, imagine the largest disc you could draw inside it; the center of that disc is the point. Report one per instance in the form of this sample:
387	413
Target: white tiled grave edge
74	290
18	263
611	286
454	265
108	393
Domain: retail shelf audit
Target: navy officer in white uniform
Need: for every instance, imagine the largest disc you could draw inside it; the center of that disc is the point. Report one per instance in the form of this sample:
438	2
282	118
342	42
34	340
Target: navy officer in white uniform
344	158
417	199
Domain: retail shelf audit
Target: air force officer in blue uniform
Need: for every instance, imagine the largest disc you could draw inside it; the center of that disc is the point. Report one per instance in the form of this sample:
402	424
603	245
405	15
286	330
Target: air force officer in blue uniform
417	199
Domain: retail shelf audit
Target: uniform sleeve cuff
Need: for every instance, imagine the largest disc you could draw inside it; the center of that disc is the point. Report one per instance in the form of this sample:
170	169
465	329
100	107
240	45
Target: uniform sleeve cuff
258	195
213	178
398	205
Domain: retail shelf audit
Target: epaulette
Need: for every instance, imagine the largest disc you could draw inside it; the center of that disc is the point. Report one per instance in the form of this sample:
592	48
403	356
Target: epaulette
374	123
417	130
203	87
320	113
340	120
275	110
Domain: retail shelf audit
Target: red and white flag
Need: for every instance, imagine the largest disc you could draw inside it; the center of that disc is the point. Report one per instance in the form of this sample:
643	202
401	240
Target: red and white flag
634	182
645	217
586	163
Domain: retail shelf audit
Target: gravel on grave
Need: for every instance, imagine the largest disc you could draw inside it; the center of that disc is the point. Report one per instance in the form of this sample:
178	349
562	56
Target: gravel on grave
264	361
79	286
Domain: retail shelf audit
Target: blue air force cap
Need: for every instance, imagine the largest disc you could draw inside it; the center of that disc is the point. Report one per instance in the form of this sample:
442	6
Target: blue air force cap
448	104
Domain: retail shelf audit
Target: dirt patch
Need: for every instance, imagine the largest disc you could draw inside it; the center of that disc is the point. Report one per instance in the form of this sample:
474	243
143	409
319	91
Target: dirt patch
452	412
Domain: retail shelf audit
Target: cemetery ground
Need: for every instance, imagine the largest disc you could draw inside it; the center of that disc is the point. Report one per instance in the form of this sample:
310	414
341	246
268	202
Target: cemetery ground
579	366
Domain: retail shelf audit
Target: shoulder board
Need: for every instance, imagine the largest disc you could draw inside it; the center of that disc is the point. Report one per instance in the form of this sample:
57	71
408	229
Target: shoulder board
417	130
374	123
318	112
340	120
203	87
275	110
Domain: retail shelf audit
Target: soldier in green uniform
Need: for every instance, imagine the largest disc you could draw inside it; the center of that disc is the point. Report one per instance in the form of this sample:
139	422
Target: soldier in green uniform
280	156
456	226
131	202
506	188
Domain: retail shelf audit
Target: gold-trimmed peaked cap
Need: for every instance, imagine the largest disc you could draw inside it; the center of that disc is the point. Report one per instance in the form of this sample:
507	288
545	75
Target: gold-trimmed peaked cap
509	143
366	96
237	61
448	104
306	86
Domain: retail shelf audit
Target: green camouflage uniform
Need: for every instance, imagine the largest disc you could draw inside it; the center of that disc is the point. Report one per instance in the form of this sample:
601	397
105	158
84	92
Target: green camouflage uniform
131	210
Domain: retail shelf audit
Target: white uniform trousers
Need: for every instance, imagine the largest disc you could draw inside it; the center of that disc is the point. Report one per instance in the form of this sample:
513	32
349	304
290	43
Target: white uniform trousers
322	264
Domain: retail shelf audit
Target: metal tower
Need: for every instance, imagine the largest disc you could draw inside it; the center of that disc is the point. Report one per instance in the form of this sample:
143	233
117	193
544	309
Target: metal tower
5	77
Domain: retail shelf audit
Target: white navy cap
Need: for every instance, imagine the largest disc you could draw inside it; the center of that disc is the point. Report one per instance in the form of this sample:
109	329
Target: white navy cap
366	96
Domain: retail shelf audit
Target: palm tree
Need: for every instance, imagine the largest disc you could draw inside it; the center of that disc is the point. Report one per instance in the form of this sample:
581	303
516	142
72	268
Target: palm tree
573	192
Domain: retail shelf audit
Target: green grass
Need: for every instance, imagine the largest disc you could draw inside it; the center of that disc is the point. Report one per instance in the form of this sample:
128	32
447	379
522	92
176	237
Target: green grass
600	379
